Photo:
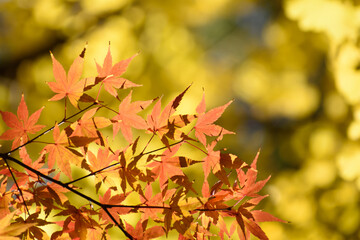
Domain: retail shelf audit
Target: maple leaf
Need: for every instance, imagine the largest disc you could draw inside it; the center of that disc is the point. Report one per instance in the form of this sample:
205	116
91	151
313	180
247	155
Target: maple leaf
68	86
130	174
212	160
261	216
85	130
156	200
111	74
60	153
157	120
107	199
167	167
21	125
101	161
5	198
127	117
38	164
204	125
140	232
215	200
57	191
174	218
21	177
77	222
164	124
9	231
247	181
35	231
247	220
96	233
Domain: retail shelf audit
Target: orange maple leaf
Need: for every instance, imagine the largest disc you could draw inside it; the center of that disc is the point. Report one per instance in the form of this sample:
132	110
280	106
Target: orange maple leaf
10	231
164	124
156	200
247	181
127	117
212	160
102	160
21	124
204	125
111	74
107	199
247	220
69	86
38	164
167	167
88	125
60	153
140	231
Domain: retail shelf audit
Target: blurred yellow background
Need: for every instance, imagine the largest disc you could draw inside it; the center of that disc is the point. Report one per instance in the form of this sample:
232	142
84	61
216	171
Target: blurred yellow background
292	66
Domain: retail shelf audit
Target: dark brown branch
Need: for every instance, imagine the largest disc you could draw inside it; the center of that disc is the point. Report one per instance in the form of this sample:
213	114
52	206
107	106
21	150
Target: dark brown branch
17	185
93	173
8	157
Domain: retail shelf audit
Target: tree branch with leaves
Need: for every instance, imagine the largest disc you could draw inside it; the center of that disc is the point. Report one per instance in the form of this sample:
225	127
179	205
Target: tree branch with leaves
34	192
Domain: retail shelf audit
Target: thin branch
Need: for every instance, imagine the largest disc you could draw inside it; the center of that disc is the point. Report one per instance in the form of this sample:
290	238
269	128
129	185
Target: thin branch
108	108
213	209
173	144
117	163
93	173
163	207
17	185
135	206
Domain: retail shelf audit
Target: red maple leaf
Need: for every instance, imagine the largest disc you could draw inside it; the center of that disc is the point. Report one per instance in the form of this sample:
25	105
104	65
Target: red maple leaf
111	74
21	125
204	125
127	117
69	86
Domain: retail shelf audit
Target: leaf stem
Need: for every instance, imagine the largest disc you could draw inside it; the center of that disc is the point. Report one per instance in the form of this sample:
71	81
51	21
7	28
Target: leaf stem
147	144
97	97
196	147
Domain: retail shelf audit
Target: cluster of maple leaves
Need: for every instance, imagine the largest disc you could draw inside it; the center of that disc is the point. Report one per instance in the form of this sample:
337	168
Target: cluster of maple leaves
32	194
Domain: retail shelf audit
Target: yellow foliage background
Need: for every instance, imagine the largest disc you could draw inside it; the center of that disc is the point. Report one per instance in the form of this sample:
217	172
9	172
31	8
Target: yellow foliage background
292	66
